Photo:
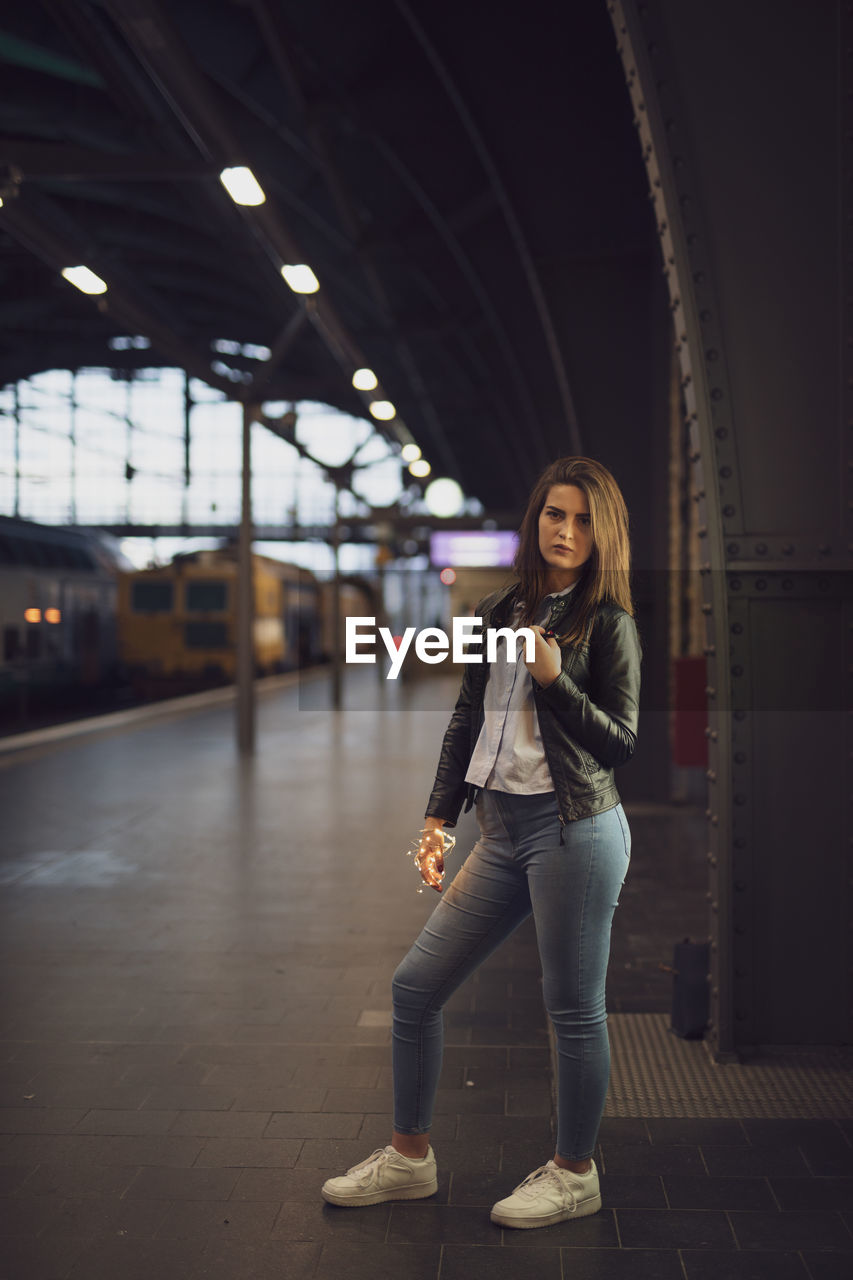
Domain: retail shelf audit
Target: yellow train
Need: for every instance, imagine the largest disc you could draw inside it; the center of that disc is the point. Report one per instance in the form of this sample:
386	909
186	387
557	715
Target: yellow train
177	625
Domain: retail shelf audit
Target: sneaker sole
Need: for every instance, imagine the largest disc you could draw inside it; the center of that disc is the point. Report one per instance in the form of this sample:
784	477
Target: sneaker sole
592	1205
419	1192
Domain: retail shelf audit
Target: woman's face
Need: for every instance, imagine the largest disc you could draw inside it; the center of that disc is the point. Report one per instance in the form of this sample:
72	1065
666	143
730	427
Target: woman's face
565	534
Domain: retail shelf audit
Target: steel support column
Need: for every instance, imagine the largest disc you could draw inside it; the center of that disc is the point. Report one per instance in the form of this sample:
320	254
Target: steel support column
245	601
739	113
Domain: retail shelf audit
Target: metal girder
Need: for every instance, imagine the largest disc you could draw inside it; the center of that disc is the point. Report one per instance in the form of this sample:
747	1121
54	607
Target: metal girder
162	52
27	159
510	442
28	219
16	51
354	528
517	457
279	350
273	29
87	26
765	352
517	235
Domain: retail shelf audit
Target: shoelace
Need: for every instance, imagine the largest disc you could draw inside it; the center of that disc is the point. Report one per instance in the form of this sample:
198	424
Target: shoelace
549	1174
366	1168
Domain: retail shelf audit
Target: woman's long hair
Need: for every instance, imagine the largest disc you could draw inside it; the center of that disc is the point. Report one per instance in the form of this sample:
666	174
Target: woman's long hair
606	574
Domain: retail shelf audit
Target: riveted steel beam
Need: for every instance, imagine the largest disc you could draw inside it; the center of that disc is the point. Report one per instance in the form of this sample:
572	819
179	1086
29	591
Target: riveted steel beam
743	198
693	305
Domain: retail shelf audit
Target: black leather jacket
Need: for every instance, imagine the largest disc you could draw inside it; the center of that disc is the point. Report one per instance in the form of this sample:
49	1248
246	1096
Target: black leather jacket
587	717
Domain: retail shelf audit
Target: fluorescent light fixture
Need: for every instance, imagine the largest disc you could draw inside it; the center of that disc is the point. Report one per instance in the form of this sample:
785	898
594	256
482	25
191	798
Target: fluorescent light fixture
411	452
300	278
364	380
420	467
84	279
253	351
383	410
242	185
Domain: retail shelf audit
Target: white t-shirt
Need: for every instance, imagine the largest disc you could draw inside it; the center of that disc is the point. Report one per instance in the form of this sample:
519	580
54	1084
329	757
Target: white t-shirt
509	755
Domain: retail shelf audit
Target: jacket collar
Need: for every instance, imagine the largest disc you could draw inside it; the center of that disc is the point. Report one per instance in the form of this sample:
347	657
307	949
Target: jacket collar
503	601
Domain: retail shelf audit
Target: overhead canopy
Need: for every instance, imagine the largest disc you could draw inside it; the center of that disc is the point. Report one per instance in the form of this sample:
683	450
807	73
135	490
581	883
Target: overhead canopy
464	180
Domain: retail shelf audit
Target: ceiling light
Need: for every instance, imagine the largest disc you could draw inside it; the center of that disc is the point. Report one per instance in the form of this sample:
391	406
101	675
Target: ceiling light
411	452
383	410
242	185
420	467
84	279
364	380
300	278
444	497
254	351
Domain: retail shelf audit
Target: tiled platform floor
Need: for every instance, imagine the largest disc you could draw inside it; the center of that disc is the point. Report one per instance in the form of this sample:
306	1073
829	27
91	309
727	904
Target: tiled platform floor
196	958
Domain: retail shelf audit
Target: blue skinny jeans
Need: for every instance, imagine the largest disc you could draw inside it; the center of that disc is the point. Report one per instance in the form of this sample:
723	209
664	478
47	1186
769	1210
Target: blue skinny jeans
519	865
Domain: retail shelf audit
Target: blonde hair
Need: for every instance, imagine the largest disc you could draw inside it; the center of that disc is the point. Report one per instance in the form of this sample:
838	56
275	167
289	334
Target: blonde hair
606	574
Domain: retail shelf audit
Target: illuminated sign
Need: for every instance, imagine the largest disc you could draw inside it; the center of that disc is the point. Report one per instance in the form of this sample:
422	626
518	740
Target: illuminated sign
472	548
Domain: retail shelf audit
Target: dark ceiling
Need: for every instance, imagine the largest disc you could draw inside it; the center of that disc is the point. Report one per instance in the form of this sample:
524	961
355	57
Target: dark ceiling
464	179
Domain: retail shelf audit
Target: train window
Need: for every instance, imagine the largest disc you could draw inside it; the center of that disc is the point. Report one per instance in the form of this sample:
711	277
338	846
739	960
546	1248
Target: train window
37	553
71	555
16	550
206	597
151	597
206	635
50	554
11	644
8	550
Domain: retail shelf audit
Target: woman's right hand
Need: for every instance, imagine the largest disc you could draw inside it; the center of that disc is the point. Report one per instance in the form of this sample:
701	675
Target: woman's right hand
430	857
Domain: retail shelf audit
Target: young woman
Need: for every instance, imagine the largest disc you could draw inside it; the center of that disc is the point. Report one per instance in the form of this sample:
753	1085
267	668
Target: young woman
533	743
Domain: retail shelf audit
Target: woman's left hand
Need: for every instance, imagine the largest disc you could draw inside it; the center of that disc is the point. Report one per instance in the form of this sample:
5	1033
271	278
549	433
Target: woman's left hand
547	662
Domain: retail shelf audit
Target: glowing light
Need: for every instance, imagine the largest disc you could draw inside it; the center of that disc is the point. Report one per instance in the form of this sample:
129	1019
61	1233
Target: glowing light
364	380
444	497
253	351
448	577
422	855
242	185
125	343
411	452
383	410
228	347
32	615
52	615
84	280
420	467
300	277
1	202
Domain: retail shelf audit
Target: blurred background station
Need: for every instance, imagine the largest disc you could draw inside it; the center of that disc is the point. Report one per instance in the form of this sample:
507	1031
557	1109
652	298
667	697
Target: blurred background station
296	303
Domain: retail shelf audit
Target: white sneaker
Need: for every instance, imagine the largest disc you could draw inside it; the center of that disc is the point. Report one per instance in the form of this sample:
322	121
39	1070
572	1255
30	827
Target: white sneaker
548	1195
386	1175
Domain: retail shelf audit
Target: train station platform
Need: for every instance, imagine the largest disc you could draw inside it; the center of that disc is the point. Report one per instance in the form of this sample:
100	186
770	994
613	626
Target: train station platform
195	1026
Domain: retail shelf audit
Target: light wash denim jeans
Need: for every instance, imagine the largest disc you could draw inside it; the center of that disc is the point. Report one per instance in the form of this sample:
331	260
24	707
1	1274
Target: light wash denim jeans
519	865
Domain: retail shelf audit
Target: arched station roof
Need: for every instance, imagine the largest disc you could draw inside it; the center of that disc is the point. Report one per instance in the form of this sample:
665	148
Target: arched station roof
464	179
